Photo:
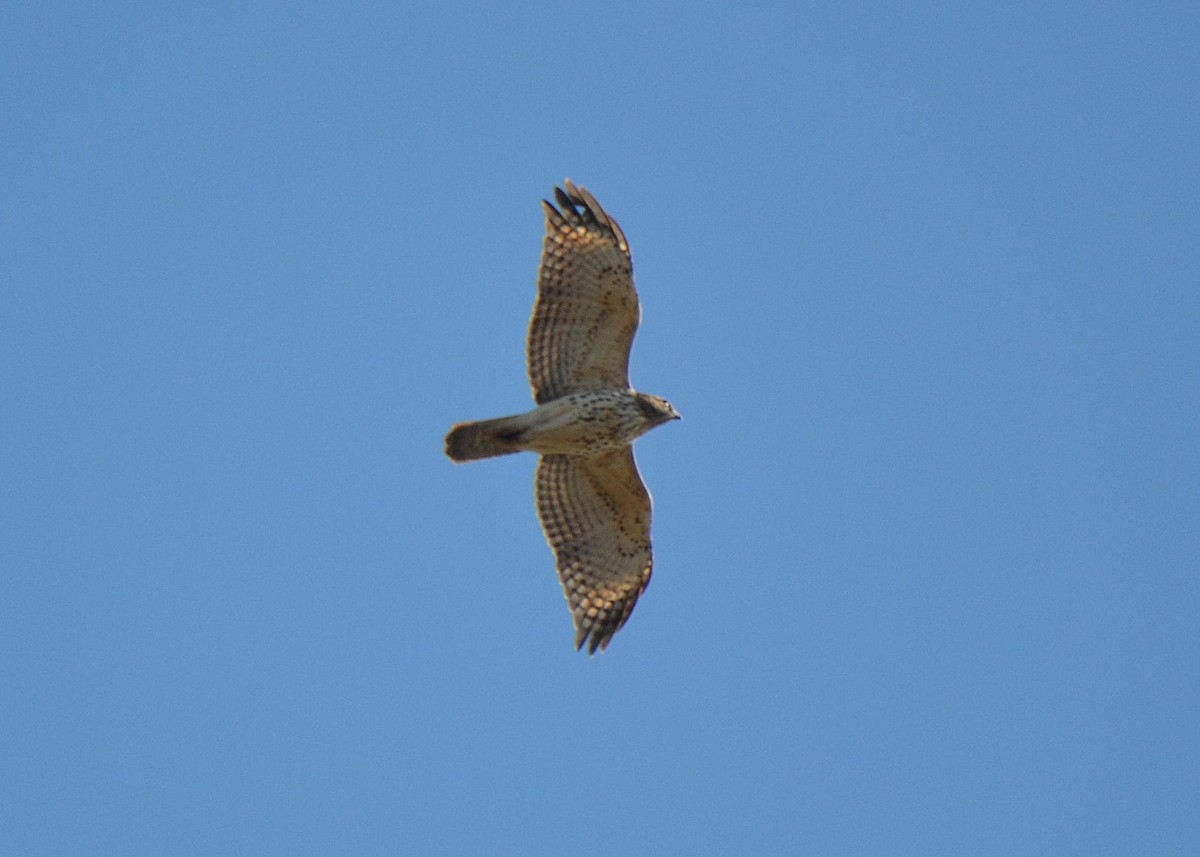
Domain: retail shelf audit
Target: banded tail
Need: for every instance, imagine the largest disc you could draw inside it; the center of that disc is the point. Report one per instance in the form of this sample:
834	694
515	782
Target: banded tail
485	439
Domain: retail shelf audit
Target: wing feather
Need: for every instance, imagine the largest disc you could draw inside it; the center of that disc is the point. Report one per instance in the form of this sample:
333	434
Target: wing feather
587	309
596	515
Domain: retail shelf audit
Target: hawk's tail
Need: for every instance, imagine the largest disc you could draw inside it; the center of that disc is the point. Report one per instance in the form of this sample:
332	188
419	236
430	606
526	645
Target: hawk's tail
485	439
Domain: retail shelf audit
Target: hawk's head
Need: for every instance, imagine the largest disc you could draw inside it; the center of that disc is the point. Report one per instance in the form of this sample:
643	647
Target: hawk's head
657	409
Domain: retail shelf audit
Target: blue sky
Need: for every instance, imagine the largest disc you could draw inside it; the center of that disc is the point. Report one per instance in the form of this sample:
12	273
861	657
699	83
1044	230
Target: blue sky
922	279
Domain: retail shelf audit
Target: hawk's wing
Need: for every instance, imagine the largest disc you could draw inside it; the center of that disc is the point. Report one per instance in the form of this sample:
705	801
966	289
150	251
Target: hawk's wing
596	514
587	309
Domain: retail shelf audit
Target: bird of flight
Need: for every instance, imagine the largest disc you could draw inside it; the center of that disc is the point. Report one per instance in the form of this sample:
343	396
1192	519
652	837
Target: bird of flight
594	507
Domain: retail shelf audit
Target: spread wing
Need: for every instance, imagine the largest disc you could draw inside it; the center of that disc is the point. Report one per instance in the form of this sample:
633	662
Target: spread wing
587	309
596	514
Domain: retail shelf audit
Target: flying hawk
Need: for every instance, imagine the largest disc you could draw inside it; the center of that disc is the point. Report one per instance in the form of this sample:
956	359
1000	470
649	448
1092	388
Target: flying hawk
593	505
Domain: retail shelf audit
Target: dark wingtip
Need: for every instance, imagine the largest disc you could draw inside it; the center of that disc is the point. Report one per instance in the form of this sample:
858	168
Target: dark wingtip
592	638
596	639
579	206
566	201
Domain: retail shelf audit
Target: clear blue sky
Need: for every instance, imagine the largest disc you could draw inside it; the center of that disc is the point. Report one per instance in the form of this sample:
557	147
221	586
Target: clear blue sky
923	280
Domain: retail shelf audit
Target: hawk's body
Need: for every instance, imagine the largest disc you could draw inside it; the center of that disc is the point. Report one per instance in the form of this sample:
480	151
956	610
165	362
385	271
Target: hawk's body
593	505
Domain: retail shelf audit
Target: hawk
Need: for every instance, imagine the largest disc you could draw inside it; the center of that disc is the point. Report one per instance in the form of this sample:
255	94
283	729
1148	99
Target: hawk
594	507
